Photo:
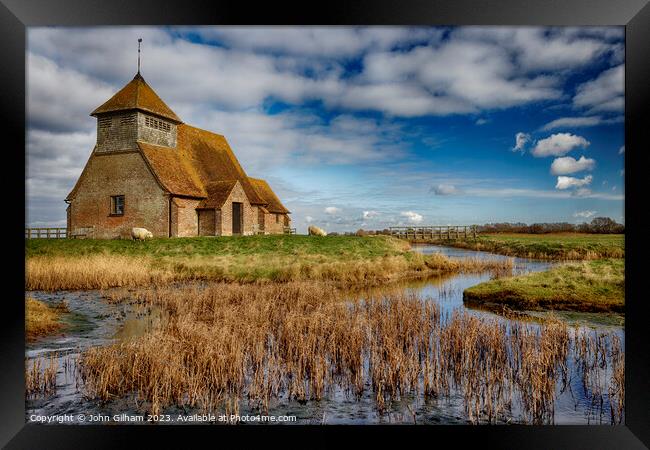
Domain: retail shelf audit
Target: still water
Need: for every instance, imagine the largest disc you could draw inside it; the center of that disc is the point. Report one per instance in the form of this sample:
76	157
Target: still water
94	321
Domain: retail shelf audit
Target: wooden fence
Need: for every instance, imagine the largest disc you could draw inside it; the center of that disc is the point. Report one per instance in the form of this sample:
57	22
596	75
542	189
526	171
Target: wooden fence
288	230
435	233
46	233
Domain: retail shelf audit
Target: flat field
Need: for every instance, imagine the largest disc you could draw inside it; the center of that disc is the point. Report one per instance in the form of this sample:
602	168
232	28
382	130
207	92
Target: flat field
556	246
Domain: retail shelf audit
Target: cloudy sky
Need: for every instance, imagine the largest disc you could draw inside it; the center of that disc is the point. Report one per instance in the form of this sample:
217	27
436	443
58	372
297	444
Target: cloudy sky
358	127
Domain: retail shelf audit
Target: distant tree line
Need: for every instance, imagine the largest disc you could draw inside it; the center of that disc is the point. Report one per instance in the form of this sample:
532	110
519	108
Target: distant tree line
602	225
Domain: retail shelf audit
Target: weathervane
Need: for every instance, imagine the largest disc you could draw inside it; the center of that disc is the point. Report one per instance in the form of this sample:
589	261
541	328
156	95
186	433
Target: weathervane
139	40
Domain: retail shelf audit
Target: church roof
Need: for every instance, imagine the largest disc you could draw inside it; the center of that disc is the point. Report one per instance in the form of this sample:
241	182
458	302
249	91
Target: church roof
274	204
137	94
218	192
200	159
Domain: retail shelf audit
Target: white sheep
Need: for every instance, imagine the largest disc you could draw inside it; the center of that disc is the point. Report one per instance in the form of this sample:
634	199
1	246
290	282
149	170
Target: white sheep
316	231
140	234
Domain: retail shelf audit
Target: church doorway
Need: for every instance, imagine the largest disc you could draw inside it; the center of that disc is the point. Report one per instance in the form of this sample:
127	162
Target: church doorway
237	218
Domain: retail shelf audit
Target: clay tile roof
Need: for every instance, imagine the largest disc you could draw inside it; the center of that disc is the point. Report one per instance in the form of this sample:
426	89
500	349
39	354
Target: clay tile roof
265	191
200	160
212	159
176	174
218	192
137	94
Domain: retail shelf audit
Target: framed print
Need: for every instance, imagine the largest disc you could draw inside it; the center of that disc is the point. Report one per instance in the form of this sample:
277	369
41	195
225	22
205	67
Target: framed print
382	220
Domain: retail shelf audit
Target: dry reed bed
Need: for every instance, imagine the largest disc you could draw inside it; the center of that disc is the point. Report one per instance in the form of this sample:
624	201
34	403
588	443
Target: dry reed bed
105	271
224	343
42	319
40	376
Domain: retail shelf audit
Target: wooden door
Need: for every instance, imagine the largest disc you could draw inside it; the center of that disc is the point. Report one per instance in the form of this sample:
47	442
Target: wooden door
237	224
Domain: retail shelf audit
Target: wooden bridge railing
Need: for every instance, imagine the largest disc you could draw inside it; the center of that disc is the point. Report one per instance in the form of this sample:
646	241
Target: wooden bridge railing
46	233
448	232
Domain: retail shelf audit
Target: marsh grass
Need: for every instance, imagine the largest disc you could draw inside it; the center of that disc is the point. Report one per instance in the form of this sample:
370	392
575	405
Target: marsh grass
40	376
41	319
101	271
553	246
223	344
601	367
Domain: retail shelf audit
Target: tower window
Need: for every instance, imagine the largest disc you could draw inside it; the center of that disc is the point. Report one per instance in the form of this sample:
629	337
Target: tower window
105	122
117	205
127	120
156	124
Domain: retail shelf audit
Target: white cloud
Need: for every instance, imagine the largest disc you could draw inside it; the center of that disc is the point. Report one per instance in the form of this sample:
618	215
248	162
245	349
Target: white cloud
621	150
605	93
309	219
521	139
572	122
582	192
318	41
261	140
585	214
412	217
481	121
571	182
567	165
534	193
331	210
467	71
445	189
50	104
558	144
369	214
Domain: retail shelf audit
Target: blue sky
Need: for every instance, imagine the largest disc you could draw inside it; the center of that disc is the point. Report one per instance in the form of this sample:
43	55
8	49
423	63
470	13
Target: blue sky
358	127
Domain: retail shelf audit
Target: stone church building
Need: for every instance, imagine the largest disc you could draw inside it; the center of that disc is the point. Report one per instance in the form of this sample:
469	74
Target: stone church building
149	169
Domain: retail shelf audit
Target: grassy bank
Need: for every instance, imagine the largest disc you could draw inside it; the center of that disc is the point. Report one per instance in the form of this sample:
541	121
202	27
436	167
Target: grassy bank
589	286
41	319
99	264
557	246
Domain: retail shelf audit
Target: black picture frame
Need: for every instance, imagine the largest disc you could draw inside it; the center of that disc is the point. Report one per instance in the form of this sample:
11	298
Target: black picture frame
17	15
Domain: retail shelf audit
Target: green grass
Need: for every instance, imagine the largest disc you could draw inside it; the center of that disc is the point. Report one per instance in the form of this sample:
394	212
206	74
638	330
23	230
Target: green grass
349	260
330	247
587	286
557	246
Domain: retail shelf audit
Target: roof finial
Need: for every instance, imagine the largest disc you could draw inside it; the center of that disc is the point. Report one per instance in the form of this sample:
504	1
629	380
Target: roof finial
139	40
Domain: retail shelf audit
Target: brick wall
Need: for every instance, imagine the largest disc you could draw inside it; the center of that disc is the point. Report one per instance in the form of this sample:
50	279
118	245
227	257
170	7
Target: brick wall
207	221
184	217
225	225
270	224
257	225
145	203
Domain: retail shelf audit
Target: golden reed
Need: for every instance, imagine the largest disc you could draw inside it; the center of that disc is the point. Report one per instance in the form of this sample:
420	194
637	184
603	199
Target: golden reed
223	343
105	271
